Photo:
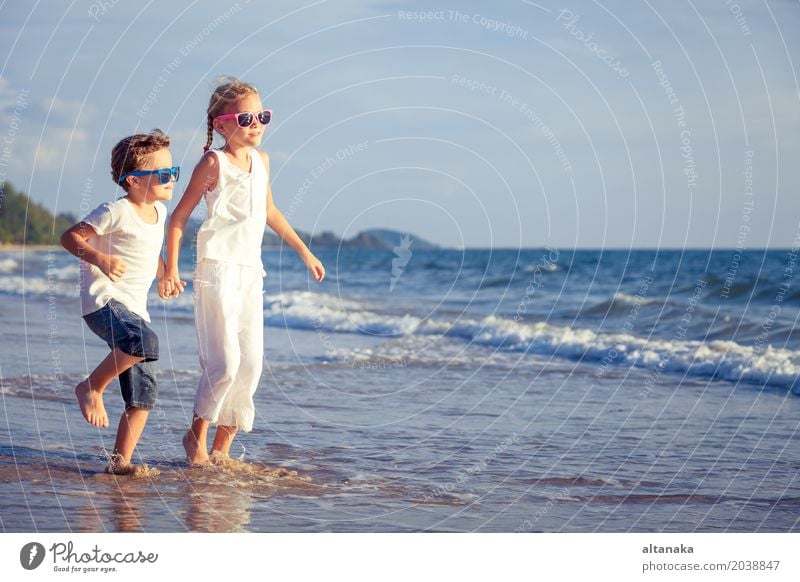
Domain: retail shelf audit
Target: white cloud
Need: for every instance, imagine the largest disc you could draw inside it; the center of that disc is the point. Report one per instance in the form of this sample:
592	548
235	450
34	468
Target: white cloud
42	135
56	147
67	111
7	96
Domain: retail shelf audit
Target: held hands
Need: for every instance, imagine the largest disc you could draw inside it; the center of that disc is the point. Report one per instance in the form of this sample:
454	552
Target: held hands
314	265
170	285
112	266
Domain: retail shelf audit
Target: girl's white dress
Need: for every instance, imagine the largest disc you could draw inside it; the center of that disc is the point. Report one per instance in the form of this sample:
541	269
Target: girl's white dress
228	292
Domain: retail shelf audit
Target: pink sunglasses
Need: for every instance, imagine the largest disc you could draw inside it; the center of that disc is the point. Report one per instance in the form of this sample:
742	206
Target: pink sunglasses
245	118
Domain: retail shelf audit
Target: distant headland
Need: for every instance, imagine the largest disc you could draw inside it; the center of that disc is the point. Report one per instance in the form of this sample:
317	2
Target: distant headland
25	222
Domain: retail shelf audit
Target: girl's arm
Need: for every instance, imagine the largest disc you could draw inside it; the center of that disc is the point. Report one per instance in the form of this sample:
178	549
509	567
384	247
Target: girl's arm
278	223
74	240
204	178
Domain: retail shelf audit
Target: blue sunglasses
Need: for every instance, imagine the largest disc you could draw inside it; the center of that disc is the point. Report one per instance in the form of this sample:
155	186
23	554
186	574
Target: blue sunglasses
164	174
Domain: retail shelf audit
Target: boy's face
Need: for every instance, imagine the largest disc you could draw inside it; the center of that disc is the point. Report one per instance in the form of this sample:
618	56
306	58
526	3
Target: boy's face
243	136
149	188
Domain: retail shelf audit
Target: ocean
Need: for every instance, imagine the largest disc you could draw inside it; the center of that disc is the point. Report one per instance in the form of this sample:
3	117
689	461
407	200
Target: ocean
435	390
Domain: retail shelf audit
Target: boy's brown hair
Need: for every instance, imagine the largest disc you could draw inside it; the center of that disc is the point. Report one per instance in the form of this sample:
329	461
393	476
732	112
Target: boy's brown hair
131	153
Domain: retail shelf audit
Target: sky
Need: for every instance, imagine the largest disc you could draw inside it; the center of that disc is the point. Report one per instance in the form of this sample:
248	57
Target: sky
672	124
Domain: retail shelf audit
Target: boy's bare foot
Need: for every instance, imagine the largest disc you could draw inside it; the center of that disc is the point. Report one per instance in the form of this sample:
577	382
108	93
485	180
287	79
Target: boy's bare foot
118	466
195	454
91	403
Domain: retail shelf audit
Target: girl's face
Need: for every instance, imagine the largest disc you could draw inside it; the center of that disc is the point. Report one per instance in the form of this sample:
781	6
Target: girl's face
242	136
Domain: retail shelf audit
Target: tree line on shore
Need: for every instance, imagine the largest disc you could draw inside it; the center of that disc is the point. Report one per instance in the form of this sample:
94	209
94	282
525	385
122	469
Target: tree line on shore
23	221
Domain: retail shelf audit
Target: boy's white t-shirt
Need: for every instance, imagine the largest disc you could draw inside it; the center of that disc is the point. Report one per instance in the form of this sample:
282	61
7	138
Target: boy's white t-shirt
121	232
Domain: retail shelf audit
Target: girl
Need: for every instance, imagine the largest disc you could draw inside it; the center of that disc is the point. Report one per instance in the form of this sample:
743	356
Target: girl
228	280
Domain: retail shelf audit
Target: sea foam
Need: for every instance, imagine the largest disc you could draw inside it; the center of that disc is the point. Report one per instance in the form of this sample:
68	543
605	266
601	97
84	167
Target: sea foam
726	360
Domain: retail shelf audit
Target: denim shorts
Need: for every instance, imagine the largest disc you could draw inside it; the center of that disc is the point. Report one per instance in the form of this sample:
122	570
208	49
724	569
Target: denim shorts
120	328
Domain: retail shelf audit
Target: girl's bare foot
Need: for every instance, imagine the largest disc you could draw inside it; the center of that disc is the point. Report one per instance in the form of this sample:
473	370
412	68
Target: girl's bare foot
195	454
221	459
91	403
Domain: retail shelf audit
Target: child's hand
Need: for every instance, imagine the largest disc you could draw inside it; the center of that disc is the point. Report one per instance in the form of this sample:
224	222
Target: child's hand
314	265
170	285
162	288
112	266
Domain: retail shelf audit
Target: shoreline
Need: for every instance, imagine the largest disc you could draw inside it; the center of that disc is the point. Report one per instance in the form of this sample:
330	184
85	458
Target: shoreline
13	247
30	247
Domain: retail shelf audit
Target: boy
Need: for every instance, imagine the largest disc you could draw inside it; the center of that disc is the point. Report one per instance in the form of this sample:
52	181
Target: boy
119	244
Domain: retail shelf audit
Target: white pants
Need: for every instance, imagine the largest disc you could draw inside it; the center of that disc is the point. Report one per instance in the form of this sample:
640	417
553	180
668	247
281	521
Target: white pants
229	316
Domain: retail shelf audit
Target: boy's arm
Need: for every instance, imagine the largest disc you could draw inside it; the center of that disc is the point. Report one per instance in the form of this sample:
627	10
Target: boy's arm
75	240
161	285
278	223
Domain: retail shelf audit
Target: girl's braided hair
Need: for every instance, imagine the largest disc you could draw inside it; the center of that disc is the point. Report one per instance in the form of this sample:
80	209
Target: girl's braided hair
229	90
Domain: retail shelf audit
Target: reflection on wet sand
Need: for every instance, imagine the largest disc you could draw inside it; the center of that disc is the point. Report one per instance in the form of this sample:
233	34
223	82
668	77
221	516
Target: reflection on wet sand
89	518
119	503
221	495
126	512
227	496
223	511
